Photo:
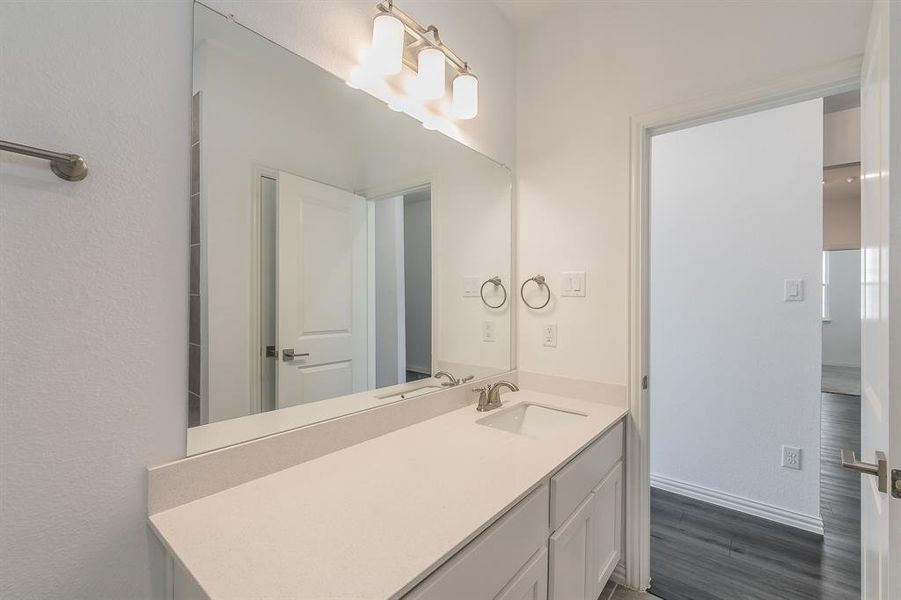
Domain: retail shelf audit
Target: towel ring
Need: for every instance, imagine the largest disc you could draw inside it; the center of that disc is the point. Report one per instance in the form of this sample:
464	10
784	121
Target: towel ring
539	279
496	280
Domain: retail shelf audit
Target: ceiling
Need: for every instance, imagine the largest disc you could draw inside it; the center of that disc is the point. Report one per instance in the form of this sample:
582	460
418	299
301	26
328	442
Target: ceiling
523	12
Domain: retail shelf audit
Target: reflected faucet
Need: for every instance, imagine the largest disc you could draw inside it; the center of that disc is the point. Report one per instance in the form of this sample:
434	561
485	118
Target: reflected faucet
490	395
451	380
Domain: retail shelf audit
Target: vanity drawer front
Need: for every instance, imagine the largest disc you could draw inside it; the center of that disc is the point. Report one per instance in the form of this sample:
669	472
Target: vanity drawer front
489	562
571	484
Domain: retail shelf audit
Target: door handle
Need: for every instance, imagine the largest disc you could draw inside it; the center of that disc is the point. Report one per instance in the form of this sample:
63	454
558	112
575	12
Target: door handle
289	355
878	469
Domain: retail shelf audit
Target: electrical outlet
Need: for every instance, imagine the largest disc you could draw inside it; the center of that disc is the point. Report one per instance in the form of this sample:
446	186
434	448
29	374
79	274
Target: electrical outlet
791	457
488	332
549	335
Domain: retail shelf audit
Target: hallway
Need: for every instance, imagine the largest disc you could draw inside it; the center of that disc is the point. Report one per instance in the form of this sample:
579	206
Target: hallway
704	552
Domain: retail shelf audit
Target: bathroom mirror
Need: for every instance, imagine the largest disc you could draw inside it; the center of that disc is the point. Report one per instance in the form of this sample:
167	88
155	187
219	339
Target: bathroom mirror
342	255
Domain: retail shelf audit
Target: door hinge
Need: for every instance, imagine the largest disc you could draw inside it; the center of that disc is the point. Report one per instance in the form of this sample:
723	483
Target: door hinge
644	382
896	483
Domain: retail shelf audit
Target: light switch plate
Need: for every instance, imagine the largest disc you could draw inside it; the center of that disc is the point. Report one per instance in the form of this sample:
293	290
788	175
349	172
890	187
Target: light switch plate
549	335
572	284
488	331
471	287
794	290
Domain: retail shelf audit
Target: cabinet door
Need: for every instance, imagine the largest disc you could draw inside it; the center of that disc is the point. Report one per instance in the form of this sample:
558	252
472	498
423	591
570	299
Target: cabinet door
606	527
531	581
571	547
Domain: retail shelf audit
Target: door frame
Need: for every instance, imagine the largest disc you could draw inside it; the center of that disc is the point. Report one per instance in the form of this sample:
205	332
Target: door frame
257	173
813	83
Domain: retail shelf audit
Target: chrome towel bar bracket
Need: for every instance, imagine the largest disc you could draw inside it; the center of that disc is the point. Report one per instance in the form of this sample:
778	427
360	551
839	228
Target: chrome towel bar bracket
542	283
70	167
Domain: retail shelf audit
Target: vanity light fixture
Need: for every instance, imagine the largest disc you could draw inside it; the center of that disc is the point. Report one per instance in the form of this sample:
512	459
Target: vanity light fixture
398	40
430	80
466	96
387	48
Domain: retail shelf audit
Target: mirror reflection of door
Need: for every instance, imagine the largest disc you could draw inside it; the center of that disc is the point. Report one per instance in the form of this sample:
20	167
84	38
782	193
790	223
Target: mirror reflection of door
321	280
403	287
315	290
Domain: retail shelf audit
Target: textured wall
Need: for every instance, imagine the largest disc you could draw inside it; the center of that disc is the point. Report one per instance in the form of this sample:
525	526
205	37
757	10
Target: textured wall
94	291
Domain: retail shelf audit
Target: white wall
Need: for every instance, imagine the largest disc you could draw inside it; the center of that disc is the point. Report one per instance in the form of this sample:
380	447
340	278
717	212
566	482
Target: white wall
389	290
841	137
100	267
93	324
841	334
735	369
583	69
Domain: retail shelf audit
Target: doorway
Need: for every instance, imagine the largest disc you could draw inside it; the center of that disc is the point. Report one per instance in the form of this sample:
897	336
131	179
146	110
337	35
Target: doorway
741	481
403	292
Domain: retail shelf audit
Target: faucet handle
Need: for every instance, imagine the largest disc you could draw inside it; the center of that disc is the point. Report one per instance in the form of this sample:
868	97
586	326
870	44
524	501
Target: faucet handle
467	378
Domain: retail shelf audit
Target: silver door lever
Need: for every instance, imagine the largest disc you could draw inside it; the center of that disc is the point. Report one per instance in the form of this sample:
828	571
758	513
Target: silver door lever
878	469
289	355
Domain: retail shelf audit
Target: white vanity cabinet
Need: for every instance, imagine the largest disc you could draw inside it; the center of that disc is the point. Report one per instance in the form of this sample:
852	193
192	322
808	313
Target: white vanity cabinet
587	539
500	562
582	512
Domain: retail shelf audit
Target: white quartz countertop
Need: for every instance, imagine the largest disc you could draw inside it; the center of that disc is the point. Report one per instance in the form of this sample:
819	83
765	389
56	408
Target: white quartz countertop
371	520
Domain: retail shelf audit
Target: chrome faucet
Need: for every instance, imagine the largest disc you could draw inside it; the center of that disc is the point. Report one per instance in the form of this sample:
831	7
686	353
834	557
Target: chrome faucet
451	380
490	395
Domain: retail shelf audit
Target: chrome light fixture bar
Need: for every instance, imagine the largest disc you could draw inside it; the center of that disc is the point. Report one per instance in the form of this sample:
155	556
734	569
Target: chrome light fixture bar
422	56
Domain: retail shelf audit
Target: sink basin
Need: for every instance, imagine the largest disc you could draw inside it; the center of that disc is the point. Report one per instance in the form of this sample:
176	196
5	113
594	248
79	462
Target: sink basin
531	420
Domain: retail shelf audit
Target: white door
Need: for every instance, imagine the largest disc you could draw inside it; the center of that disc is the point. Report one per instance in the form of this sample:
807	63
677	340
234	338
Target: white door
881	295
571	550
322	278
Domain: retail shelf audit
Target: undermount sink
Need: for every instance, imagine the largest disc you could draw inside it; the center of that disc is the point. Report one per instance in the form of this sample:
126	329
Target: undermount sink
531	420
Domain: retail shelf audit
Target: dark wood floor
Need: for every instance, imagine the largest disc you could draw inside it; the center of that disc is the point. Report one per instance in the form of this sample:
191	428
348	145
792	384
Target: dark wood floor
704	552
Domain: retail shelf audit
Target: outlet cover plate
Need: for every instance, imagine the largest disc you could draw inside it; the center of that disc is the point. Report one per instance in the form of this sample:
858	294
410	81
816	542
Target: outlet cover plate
549	335
791	457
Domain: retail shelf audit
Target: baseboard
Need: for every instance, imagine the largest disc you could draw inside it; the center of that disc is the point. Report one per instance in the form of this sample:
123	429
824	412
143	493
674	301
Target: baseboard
838	364
619	573
744	505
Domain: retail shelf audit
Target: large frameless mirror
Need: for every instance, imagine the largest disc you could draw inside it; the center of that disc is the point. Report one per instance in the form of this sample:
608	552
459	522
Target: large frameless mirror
343	257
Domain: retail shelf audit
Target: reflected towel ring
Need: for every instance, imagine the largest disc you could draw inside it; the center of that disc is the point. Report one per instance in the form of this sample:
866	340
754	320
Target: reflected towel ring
496	280
539	279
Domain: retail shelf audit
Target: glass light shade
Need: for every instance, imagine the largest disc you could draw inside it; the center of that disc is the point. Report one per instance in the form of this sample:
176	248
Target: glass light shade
465	104
387	52
430	78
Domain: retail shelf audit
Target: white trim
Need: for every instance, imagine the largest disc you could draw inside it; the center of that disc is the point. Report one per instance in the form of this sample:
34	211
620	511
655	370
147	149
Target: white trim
741	504
370	295
812	83
258	172
619	574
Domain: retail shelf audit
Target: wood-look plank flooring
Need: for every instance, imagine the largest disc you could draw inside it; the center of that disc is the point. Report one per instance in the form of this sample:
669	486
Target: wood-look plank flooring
704	552
841	380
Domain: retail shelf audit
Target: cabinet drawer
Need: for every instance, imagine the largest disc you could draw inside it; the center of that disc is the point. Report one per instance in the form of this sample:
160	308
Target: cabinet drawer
489	562
571	484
